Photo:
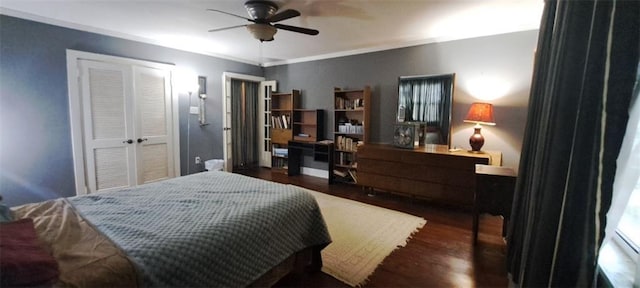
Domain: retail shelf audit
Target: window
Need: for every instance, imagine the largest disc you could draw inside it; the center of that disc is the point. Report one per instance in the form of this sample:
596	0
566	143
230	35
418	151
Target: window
619	261
627	235
629	226
427	99
628	229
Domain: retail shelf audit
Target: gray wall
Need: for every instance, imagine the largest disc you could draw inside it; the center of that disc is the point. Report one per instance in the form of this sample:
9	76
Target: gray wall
490	67
35	134
35	140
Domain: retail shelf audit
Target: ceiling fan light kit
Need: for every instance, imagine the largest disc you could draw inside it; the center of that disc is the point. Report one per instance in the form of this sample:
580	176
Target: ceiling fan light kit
262	32
263	14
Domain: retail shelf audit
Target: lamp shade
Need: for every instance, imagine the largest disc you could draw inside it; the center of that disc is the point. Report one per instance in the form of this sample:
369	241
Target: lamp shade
262	32
481	113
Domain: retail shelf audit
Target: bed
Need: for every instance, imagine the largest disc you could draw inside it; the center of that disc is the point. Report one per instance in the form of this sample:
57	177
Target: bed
212	229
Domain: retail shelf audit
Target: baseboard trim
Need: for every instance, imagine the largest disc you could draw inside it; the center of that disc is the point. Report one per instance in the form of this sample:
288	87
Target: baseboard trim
315	172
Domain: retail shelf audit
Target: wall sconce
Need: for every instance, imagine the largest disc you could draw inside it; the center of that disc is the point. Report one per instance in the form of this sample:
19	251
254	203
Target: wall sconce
479	113
202	94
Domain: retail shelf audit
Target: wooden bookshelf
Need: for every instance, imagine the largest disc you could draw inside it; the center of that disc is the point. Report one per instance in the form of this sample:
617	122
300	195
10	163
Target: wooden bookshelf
352	114
282	107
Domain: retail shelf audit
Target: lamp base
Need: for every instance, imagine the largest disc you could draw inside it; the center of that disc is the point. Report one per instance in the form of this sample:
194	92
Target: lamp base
476	140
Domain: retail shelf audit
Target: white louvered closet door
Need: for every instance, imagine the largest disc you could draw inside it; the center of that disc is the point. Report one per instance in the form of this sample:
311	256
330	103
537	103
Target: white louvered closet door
154	139
108	129
127	125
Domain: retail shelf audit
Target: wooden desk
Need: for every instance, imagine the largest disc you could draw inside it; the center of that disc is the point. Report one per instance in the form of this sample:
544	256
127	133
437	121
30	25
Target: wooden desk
431	172
494	194
321	151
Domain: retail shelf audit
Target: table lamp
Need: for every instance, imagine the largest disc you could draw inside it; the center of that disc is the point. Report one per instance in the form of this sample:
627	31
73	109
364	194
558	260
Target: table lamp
479	113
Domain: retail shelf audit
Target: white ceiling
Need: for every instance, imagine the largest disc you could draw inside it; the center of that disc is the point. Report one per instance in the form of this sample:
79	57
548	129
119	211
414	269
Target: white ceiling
346	26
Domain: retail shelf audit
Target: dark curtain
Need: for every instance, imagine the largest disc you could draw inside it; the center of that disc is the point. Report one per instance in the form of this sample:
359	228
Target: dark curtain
244	103
584	73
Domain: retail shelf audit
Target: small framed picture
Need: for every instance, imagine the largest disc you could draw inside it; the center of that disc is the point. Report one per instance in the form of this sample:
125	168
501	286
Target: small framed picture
405	135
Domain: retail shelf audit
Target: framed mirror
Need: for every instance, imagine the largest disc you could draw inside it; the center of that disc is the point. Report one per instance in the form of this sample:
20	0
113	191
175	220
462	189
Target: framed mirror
427	100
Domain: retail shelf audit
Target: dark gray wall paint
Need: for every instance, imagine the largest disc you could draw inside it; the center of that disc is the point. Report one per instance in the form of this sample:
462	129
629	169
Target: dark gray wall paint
35	138
498	66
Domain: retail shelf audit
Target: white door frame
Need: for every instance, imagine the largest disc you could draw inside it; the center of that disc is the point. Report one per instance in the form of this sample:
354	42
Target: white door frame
75	109
227	113
264	155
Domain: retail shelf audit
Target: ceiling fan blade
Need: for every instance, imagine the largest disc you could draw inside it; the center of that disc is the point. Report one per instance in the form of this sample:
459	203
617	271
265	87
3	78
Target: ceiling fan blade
297	29
230	14
226	28
284	15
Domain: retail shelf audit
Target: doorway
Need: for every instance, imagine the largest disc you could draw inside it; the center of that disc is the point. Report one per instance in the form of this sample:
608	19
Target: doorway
246	139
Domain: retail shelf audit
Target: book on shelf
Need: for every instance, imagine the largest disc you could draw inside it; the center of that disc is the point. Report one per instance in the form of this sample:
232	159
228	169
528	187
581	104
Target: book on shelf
281	122
352	173
350	128
279	163
276	122
340	173
349	104
282	152
347	144
347	176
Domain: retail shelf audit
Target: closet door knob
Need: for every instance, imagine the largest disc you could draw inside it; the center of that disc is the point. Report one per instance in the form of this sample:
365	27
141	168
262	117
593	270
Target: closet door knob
128	141
140	140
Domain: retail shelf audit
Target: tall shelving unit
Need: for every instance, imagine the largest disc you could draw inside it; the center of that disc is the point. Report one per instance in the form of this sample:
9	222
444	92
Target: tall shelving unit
352	114
282	106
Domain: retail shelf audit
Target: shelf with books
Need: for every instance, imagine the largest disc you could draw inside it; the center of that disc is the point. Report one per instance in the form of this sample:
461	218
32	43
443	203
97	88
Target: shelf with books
282	107
347	143
345	165
352	109
280	120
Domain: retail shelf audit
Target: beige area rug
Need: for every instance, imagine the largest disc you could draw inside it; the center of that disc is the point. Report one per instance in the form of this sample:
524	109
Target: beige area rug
363	235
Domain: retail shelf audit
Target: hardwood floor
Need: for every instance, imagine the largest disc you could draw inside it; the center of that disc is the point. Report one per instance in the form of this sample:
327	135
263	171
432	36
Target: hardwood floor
441	254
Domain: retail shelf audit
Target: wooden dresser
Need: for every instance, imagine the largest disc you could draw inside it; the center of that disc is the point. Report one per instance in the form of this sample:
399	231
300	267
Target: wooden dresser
429	172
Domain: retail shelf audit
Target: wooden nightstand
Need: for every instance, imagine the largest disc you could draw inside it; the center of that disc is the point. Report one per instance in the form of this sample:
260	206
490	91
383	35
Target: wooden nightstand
494	194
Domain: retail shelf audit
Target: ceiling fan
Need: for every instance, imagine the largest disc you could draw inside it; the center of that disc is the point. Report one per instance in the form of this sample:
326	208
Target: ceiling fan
263	16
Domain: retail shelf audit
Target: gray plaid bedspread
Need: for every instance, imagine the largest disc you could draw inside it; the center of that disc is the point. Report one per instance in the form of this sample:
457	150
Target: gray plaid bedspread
213	229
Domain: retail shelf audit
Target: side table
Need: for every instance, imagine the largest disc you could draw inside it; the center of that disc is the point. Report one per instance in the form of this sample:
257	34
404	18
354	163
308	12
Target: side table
495	186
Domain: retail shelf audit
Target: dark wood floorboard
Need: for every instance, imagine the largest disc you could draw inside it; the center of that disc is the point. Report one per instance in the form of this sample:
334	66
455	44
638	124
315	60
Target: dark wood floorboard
441	254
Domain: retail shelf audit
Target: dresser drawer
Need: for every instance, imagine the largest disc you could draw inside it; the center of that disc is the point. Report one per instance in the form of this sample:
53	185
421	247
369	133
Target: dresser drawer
421	173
